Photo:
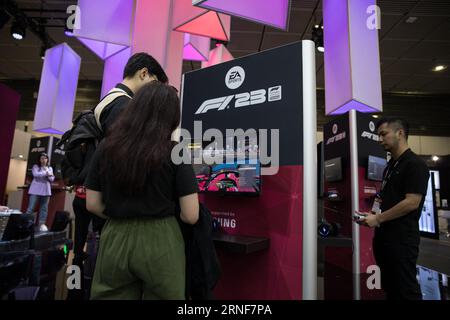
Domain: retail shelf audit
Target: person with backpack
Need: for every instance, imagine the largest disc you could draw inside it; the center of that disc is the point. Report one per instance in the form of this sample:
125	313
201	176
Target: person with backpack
140	69
89	129
135	185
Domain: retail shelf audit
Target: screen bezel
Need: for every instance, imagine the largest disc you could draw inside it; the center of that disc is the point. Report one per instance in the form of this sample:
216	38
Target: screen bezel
339	162
435	234
367	169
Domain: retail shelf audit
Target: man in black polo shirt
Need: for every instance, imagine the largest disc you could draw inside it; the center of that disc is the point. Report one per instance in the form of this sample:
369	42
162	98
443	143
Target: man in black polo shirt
397	236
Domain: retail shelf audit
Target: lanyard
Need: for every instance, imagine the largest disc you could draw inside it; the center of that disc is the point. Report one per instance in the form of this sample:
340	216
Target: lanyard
388	174
390	170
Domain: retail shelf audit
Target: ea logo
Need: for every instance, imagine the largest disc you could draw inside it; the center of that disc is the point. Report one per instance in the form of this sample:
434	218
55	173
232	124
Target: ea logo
38	143
235	77
335	128
372	126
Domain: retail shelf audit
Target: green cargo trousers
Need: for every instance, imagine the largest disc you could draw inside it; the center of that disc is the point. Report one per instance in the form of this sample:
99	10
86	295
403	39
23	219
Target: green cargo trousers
140	258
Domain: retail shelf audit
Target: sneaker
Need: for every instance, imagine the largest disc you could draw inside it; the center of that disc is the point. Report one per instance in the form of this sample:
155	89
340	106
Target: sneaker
43	228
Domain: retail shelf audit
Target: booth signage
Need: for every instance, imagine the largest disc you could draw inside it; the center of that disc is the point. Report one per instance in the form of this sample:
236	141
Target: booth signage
258	93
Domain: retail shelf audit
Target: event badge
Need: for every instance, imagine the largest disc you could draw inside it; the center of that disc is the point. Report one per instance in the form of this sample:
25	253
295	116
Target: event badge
376	207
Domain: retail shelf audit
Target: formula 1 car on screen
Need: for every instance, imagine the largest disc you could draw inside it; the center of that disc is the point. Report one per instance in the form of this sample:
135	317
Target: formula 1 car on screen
223	178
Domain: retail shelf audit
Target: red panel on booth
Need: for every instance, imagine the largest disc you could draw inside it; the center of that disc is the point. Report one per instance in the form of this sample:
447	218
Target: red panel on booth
275	215
8	116
240	95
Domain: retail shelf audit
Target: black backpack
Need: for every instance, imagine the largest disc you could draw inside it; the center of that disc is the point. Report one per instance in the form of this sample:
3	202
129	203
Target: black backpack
80	142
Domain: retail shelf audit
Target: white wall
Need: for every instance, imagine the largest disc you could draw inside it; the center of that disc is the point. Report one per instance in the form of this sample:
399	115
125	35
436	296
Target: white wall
431	145
21	145
319	136
16	174
18	162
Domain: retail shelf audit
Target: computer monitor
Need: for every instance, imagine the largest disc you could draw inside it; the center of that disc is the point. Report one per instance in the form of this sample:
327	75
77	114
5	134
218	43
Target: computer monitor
428	222
436	178
19	226
333	169
375	168
237	177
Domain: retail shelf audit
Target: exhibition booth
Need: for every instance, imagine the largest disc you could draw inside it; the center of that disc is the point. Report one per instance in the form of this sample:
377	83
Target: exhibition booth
282	201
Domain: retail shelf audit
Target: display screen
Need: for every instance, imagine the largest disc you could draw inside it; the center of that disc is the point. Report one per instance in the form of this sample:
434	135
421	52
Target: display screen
436	178
428	221
429	283
234	168
333	170
375	168
238	176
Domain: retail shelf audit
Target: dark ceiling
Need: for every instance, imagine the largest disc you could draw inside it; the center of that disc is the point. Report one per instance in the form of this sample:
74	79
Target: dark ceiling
409	51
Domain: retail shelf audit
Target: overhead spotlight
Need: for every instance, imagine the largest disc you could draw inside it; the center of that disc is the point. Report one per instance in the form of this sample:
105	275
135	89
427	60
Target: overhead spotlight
435	158
439	68
18	30
375	116
411	19
317	37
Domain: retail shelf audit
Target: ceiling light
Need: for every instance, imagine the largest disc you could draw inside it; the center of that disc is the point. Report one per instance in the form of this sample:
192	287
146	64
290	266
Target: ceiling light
375	116
439	68
435	158
17	36
18	30
317	37
20	156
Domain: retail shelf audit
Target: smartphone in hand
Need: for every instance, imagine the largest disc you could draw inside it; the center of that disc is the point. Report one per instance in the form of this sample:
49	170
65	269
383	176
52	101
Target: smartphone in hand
359	216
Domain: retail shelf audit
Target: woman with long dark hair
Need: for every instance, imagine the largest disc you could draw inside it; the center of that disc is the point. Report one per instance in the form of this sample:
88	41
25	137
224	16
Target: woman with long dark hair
134	184
40	189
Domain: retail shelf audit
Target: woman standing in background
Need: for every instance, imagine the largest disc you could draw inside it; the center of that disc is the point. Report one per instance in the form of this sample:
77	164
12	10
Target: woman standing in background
40	190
